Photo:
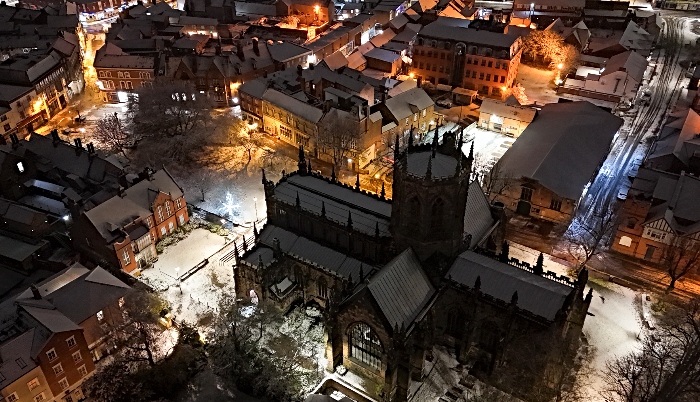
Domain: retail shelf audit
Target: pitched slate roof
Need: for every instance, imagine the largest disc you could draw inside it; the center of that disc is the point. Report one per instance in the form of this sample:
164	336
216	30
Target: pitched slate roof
72	296
309	250
401	289
367	211
536	294
477	217
135	203
631	62
456	29
563	146
293	105
403	104
20	347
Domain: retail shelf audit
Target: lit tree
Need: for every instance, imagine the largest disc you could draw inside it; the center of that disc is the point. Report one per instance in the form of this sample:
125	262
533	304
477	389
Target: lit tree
667	366
549	46
114	134
587	235
681	256
141	335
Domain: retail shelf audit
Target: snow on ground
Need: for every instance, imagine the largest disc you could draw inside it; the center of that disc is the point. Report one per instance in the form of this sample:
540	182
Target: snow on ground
195	298
488	145
538	84
529	255
612	331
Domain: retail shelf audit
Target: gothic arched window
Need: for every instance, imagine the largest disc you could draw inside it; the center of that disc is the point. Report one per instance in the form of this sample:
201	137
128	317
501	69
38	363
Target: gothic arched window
437	215
322	288
413	211
365	345
455	323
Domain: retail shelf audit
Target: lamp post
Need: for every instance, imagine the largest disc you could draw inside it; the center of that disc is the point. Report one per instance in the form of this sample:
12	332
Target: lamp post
255	202
532	9
177	275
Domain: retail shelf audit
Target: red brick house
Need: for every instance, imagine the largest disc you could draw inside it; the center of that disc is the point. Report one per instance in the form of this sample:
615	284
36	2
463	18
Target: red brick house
123	230
69	316
659	207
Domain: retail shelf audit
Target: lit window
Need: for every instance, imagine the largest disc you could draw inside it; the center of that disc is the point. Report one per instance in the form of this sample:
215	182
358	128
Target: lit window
365	345
51	354
178	203
182	219
64	383
33	384
160	213
12	397
100	315
171	226
163	231
20	167
126	257
58	369
71	341
168	211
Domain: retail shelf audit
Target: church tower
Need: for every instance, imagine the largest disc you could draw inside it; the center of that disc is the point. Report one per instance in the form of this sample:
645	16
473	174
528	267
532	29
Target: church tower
430	196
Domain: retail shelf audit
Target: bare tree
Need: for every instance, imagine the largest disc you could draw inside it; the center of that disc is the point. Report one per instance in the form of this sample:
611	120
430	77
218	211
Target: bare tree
667	366
114	134
542	44
174	122
587	234
248	139
141	335
497	180
338	136
679	257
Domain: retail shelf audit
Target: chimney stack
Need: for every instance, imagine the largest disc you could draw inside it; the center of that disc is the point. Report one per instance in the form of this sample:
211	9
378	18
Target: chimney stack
239	51
78	143
35	292
256	49
299	70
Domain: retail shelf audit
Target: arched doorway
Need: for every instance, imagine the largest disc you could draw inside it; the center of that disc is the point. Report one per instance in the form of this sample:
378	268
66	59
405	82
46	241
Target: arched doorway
523	208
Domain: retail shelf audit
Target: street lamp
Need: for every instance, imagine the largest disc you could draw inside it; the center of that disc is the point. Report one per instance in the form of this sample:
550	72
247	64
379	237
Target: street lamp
255	202
177	275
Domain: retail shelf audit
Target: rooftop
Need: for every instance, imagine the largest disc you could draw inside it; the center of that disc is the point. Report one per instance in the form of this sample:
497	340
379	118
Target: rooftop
563	147
401	289
536	294
456	29
367	211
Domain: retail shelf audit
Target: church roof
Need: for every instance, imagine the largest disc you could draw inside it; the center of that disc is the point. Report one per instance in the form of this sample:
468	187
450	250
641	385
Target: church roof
301	247
367	210
401	289
537	294
477	218
441	166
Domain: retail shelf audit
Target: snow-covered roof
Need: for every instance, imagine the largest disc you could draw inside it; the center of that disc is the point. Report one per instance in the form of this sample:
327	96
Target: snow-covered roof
16	358
630	62
563	146
536	294
457	30
401	289
294	106
407	103
636	38
76	293
500	108
136	202
285	51
335	60
383	55
383	38
477	216
367	211
441	166
306	249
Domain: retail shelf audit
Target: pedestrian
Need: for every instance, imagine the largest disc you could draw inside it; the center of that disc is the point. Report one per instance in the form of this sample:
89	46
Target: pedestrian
602	298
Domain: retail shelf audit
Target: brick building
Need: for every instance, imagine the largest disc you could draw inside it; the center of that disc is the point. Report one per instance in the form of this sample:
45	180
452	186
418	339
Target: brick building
659	210
123	230
55	330
546	171
448	52
118	73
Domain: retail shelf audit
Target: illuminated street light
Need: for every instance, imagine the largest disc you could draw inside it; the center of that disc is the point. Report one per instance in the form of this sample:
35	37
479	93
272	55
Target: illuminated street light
560	66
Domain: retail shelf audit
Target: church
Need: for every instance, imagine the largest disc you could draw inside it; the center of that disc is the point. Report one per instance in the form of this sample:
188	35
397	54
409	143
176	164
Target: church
396	277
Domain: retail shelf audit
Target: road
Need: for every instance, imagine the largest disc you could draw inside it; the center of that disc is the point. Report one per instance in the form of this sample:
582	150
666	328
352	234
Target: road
627	149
